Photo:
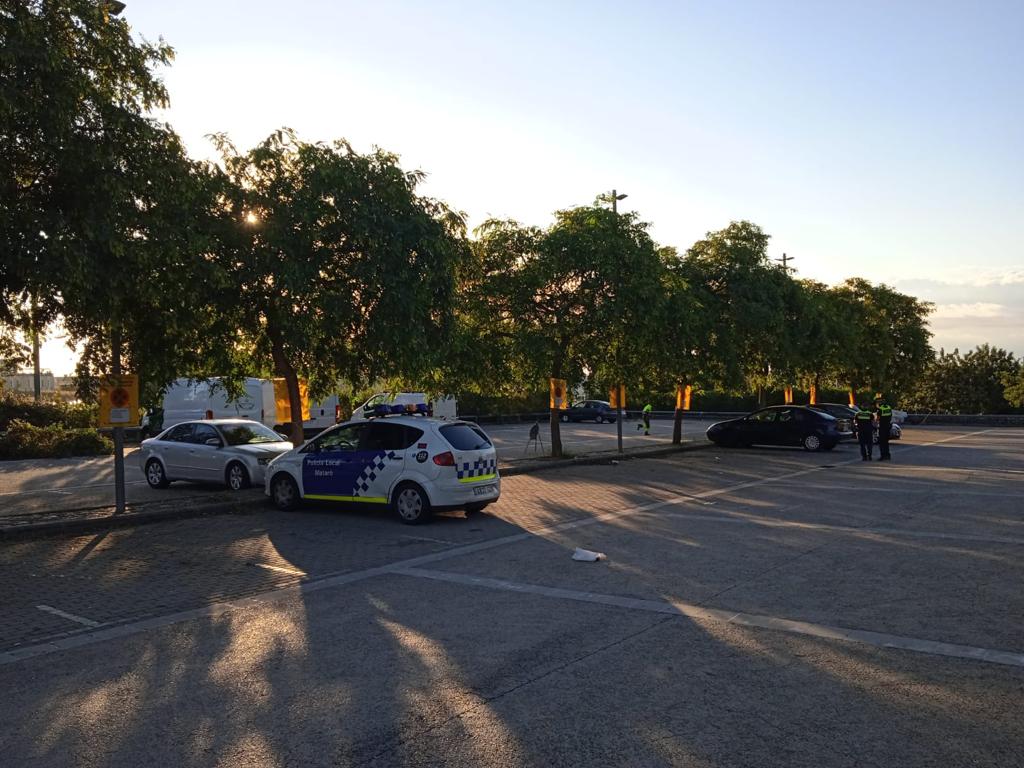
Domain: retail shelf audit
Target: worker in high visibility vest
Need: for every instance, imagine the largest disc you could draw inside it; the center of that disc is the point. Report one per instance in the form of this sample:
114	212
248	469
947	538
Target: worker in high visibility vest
883	412
863	423
646	419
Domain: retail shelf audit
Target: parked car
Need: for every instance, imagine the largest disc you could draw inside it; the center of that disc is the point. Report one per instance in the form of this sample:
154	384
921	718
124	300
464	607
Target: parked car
778	425
414	464
843	414
235	452
598	411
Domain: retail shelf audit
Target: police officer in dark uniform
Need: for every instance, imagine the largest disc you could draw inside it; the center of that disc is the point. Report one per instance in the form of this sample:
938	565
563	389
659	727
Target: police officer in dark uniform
884	413
863	423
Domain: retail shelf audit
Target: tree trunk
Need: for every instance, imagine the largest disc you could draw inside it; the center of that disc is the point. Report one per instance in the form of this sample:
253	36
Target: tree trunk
556	433
677	427
761	398
284	369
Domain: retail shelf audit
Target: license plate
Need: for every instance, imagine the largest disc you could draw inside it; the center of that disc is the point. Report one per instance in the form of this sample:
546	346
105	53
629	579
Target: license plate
483	490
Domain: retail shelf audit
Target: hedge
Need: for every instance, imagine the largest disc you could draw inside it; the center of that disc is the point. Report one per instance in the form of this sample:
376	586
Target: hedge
22	440
52	412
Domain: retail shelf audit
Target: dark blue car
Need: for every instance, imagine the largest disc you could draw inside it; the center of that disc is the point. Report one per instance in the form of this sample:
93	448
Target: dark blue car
794	425
590	410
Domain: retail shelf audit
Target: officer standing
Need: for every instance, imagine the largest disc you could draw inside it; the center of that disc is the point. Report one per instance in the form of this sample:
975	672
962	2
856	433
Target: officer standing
884	413
863	422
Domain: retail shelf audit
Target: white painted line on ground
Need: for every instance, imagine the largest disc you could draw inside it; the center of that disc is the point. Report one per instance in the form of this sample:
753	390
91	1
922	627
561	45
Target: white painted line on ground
68	488
69	616
688	610
280	569
745	518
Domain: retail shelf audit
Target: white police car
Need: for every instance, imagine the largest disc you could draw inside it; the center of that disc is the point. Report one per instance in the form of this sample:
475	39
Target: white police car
413	463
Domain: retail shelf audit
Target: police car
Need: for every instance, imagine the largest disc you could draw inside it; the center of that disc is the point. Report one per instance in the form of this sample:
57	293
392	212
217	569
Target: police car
401	458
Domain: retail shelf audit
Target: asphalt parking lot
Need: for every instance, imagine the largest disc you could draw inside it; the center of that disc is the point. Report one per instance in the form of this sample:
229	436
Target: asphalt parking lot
756	607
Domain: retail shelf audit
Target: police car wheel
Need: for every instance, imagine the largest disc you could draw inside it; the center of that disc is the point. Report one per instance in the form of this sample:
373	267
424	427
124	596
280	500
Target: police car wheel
155	475
284	492
812	443
411	504
236	477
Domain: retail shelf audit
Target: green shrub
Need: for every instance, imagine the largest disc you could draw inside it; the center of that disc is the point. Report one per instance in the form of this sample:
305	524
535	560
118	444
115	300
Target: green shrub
23	440
14	407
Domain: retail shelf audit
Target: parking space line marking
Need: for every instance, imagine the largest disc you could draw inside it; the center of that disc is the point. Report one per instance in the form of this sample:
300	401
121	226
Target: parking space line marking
68	488
769	523
688	610
280	569
68	616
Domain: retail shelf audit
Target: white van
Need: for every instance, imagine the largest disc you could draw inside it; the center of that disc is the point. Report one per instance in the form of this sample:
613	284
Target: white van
442	408
188	400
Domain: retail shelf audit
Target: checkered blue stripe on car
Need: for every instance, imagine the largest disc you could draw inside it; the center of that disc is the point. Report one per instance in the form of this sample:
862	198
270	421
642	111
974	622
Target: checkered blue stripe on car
373	468
477	468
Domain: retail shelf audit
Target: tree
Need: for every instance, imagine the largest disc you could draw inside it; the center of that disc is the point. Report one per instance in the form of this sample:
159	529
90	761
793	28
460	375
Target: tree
576	301
13	353
975	382
888	348
103	214
73	89
745	304
1013	383
331	265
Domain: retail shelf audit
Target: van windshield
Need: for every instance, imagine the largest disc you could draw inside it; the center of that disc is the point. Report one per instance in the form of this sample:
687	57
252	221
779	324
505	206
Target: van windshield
249	434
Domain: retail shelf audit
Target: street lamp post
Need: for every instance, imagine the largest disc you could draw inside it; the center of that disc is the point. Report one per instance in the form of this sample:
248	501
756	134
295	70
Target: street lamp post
614	197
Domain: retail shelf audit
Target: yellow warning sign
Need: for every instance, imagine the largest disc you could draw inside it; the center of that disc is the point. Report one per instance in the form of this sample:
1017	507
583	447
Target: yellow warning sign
119	401
559	396
617	397
683	396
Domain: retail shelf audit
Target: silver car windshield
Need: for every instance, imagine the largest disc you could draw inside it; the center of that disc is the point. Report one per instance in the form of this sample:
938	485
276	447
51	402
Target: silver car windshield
249	434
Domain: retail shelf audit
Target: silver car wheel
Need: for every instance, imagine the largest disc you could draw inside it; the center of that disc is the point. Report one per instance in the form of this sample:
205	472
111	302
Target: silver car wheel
237	477
812	442
409	504
155	474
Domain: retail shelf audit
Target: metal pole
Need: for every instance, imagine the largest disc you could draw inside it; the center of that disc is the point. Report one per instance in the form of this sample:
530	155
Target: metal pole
115	365
37	377
618	291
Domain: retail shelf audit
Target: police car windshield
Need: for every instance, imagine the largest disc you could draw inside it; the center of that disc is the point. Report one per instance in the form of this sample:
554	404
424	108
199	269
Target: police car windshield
249	434
463	437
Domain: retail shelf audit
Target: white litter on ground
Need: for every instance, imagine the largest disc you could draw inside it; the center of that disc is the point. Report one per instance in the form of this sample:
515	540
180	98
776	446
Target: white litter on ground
586	556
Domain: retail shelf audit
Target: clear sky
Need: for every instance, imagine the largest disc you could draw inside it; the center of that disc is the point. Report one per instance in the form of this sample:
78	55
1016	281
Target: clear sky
877	139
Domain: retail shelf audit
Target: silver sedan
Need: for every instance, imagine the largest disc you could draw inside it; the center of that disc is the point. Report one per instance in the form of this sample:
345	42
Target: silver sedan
235	452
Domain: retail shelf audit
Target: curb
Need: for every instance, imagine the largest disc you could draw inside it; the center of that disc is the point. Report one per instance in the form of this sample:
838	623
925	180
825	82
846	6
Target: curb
93	519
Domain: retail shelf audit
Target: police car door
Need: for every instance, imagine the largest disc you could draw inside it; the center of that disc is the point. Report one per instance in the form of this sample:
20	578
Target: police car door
382	458
330	464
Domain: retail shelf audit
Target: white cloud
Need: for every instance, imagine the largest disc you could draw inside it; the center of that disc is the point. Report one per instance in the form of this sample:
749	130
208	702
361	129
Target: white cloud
979	309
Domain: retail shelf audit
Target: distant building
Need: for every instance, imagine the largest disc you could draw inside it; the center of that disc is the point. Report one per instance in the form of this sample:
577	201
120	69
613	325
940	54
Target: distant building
25	382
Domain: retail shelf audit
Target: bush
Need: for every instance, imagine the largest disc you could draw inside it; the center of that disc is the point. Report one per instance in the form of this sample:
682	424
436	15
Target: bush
22	440
15	407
